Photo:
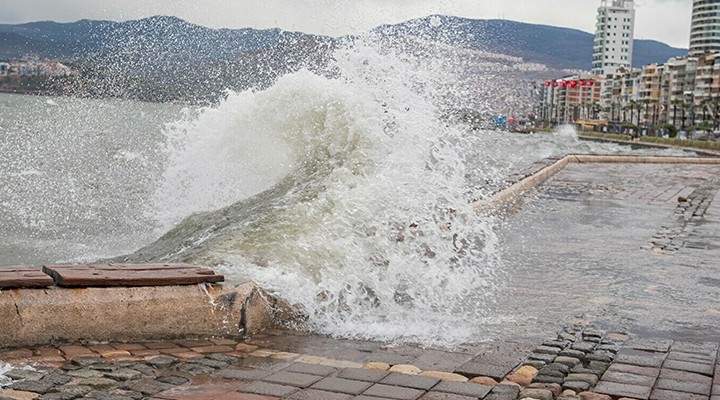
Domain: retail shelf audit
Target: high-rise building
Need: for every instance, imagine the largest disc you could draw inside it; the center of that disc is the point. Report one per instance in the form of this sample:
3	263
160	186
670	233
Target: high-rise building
705	29
614	36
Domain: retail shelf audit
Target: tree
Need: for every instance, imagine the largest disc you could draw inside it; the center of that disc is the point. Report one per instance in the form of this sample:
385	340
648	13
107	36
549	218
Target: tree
675	103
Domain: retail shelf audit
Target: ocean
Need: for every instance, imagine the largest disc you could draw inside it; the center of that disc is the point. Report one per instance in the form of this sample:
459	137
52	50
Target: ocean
348	195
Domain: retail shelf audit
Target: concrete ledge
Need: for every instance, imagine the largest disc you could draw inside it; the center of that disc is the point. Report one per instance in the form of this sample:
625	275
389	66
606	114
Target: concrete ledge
42	316
507	196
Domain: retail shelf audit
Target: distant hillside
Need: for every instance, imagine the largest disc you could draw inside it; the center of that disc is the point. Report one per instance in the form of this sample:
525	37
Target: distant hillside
165	58
560	48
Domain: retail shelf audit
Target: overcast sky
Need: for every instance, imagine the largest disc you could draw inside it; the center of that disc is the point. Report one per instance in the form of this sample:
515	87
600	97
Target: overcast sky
664	20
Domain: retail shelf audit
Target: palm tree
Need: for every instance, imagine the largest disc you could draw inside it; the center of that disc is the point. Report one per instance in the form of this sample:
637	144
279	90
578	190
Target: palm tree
633	107
675	104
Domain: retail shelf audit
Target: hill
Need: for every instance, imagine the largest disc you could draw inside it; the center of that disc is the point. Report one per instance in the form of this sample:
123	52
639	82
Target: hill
560	48
166	58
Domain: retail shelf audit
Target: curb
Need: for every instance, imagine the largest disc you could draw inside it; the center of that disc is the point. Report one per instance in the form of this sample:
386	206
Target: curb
507	196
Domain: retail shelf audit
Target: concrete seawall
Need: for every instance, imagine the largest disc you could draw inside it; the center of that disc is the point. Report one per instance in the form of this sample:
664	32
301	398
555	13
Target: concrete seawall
42	316
507	196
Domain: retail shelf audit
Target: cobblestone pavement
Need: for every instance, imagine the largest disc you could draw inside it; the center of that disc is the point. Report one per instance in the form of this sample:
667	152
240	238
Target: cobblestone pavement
629	254
579	362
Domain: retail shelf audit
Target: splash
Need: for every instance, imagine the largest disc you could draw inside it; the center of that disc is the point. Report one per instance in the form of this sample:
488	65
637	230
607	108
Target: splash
345	195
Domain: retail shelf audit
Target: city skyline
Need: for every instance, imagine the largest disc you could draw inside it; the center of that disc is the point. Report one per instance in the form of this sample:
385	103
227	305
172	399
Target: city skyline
667	21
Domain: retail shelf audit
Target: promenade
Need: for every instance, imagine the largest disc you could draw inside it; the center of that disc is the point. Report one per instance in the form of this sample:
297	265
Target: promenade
615	269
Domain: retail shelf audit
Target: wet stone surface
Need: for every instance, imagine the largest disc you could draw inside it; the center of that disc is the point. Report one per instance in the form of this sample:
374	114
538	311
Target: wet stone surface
580	362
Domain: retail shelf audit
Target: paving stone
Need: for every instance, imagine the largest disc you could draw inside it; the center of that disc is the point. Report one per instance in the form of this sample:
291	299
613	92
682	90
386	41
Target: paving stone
547	350
222	357
572	353
86	361
77	390
161	361
97	383
584	346
123	374
554	388
312	394
535	363
393	392
311	369
569	361
704	369
591	379
662	394
340	385
623	390
85	373
685	376
628	378
361	374
292	379
640	358
146	386
564	369
503	392
173	380
389	358
54	396
268	389
433	360
449	396
691	357
216	364
685	387
634	369
593	396
611	347
538	394
577	386
18	374
246	374
704	348
463	388
547	358
549	379
194	369
410	381
600	355
582	370
145	369
32	386
560	344
650	344
474	369
551	372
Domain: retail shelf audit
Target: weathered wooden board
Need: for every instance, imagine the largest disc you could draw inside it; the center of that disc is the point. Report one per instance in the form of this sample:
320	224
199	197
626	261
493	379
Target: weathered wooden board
99	275
22	276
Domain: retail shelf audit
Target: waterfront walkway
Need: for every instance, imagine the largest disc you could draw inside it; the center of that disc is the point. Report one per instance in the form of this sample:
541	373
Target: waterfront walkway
654	232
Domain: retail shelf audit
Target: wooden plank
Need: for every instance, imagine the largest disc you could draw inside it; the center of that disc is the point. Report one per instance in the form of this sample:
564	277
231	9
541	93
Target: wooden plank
22	276
100	275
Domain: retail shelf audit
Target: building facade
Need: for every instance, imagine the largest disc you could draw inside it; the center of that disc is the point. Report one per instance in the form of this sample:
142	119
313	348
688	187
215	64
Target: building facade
613	46
705	27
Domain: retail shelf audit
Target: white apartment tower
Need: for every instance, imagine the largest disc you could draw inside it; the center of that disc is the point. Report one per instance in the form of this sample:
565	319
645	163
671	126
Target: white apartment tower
613	46
705	30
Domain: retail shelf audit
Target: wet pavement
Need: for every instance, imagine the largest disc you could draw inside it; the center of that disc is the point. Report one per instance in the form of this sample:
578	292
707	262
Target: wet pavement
613	285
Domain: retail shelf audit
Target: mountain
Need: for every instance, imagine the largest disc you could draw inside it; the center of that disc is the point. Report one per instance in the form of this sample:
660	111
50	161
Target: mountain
166	58
560	48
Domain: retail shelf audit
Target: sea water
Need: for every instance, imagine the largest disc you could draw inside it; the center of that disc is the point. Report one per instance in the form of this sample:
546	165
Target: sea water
347	194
